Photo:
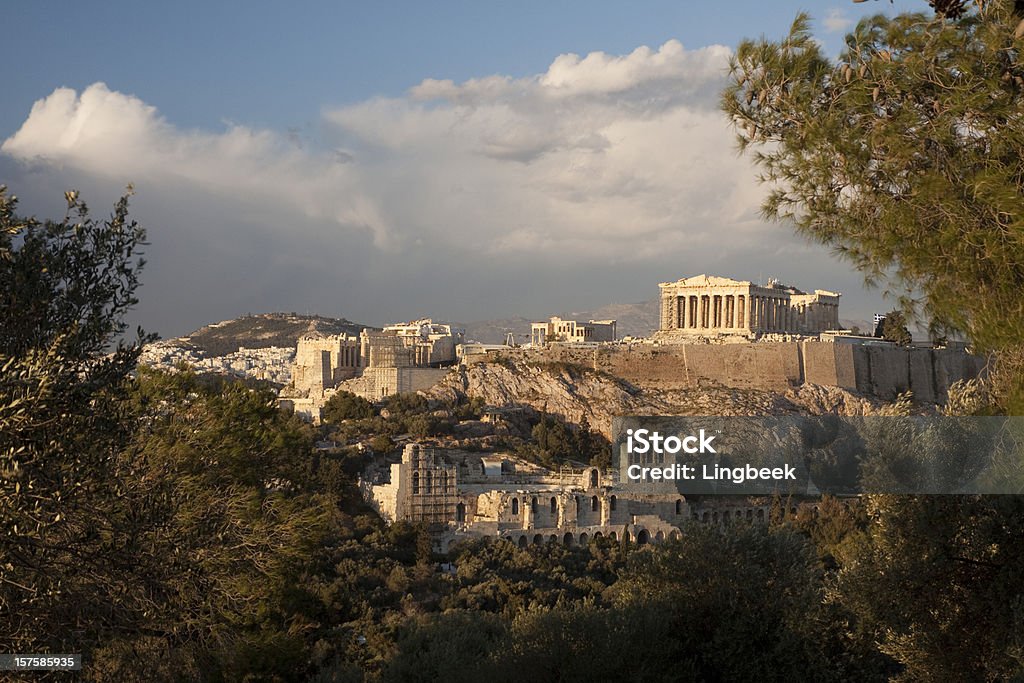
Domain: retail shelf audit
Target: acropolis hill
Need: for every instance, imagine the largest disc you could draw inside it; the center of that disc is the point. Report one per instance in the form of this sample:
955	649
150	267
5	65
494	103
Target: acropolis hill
714	333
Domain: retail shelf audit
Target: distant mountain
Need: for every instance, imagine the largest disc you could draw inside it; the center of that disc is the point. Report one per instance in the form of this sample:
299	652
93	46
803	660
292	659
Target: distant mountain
636	320
262	331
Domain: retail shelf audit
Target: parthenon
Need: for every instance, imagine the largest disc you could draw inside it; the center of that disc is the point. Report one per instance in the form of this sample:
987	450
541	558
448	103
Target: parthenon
717	306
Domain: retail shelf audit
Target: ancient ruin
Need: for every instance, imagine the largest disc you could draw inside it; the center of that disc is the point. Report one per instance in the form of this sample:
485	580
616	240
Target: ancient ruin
558	330
471	495
712	306
400	358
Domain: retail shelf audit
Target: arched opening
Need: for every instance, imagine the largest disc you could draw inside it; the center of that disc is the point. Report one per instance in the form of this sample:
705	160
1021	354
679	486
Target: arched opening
675	535
576	499
460	512
642	537
626	537
415	482
612	503
554	506
613	536
725	516
659	537
583	539
714	516
704	517
593	478
515	506
553	539
429	488
597	535
567	539
679	507
760	514
533	505
538	539
750	514
594	504
522	541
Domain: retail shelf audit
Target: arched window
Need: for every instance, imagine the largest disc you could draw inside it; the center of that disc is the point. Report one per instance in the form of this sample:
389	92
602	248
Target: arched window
515	506
577	500
593	478
612	501
460	512
429	488
415	482
594	504
679	507
533	505
554	506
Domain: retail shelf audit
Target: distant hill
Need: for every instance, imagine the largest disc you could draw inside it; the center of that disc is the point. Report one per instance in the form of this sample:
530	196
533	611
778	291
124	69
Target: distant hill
636	320
264	330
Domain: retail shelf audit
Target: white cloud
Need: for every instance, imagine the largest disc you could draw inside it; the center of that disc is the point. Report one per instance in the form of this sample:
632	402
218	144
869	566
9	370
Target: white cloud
837	21
600	159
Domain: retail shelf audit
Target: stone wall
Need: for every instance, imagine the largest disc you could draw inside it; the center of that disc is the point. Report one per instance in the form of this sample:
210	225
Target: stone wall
376	383
882	371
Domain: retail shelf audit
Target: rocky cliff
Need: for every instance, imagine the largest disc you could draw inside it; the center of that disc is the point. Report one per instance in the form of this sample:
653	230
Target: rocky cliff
574	391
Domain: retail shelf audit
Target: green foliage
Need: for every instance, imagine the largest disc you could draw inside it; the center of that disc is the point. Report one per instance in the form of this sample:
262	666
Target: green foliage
243	517
344	405
382	443
904	156
406	405
936	582
894	328
68	511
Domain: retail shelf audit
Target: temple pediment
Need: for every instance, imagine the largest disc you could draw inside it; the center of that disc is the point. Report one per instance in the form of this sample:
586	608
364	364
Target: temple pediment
705	280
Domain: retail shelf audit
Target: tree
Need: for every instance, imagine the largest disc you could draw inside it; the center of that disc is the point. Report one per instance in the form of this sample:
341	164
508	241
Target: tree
904	156
242	522
68	511
894	328
345	405
936	582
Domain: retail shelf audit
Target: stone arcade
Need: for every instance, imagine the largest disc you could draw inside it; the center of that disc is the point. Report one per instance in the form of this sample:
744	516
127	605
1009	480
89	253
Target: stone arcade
471	495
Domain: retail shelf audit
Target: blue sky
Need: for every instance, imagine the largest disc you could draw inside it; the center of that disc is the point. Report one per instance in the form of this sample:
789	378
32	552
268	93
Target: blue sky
336	157
276	64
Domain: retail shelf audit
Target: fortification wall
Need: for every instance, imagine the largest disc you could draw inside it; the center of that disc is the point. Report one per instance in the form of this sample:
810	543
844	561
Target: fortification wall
881	371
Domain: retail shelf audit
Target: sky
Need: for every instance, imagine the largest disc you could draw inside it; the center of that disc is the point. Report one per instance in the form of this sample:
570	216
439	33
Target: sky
387	161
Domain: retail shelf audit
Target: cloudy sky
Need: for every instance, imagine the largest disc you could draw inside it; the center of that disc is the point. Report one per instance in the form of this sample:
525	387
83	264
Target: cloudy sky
385	161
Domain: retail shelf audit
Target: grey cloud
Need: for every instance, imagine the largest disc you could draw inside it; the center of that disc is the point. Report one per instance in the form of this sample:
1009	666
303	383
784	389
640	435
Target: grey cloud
573	188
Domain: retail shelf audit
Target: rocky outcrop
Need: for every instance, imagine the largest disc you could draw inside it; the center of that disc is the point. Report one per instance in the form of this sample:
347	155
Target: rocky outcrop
574	391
